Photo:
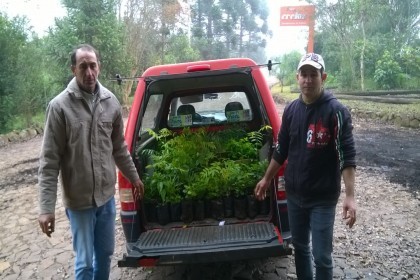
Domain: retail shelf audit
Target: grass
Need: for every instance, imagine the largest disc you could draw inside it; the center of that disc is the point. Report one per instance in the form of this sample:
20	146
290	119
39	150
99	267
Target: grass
384	108
365	106
19	123
286	95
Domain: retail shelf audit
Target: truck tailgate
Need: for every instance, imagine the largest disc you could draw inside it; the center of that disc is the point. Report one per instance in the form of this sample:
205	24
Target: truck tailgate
205	244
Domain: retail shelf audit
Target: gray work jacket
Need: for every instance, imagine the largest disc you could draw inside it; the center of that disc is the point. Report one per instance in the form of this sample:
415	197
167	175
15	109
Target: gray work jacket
83	146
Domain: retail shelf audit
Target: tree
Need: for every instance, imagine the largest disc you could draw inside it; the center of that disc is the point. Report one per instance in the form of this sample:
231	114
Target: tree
286	71
140	34
179	50
337	20
410	64
12	40
150	28
387	72
359	32
30	86
94	22
230	28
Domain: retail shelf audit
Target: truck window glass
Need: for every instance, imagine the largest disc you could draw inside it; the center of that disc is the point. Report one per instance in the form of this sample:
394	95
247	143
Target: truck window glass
150	115
214	108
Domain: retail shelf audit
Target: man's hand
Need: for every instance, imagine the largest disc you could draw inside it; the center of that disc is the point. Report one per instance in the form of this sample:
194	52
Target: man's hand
349	211
260	191
349	204
47	223
138	189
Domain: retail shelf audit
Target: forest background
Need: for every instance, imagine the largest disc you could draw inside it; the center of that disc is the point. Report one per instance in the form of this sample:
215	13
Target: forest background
369	45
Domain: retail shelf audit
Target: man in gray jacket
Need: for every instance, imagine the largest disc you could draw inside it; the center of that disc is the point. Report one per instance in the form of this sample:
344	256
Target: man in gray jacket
83	141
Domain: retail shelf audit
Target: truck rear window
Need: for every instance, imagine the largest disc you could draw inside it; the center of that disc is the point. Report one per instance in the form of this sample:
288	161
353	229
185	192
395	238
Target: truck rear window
209	108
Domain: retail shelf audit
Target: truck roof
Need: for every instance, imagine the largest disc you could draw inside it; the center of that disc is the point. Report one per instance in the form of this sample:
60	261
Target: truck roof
207	65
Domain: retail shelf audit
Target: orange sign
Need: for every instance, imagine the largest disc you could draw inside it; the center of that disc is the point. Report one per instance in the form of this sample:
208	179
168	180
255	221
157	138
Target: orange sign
297	15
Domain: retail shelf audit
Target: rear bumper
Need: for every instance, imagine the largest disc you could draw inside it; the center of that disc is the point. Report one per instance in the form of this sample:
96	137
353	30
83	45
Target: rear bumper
205	244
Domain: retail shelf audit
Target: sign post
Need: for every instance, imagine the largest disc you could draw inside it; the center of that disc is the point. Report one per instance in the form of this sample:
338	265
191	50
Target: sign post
300	16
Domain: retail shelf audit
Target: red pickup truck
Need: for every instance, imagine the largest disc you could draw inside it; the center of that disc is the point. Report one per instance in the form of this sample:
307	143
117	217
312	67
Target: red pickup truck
207	97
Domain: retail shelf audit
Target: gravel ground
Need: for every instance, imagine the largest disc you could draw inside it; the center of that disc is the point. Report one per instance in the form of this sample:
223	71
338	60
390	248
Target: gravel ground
384	244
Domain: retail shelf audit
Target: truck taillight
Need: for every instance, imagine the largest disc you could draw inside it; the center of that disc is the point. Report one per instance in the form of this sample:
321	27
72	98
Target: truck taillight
125	189
281	190
148	262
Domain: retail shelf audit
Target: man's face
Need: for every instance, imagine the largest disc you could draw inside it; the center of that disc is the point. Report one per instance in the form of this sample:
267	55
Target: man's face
86	70
310	81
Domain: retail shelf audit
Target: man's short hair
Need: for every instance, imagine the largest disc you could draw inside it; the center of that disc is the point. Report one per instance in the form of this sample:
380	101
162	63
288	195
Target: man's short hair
85	47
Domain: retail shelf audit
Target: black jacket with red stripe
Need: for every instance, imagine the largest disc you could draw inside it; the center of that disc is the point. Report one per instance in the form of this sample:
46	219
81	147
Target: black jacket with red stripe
317	141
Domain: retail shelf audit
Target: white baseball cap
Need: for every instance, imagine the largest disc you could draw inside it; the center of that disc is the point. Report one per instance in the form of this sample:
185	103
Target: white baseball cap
312	59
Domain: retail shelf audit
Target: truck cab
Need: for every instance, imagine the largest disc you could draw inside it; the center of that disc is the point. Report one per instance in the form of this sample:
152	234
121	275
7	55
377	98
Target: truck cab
207	97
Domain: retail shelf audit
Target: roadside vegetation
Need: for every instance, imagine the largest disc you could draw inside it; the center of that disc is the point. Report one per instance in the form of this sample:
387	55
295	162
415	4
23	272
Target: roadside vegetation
393	113
287	96
367	45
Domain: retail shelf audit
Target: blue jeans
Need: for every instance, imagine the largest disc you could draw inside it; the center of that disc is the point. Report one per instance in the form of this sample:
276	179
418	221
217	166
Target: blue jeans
316	218
93	232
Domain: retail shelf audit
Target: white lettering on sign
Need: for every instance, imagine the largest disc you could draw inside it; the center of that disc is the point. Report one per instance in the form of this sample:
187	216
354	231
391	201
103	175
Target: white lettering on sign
295	16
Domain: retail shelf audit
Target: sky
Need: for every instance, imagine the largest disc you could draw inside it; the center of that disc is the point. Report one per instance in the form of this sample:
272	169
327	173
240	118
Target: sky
41	14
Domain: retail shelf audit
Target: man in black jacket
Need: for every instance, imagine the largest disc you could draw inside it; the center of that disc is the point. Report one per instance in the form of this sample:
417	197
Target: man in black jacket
316	140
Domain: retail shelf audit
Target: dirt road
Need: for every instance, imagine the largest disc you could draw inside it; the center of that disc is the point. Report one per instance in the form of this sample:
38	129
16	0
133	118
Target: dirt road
385	243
